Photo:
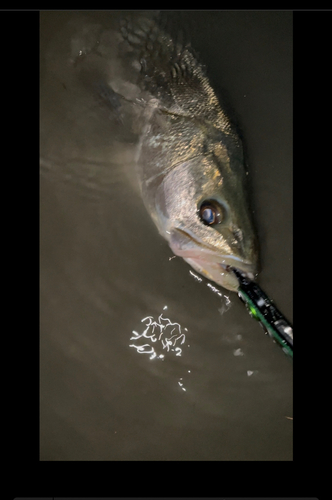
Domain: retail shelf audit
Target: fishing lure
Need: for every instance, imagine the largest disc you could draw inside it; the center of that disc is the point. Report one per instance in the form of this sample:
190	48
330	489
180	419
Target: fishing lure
263	309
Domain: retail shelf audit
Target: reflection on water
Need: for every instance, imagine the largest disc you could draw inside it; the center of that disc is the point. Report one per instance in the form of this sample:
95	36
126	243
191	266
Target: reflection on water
226	302
159	337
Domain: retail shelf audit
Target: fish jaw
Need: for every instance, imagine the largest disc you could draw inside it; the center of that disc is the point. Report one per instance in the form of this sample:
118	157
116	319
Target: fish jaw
220	272
213	265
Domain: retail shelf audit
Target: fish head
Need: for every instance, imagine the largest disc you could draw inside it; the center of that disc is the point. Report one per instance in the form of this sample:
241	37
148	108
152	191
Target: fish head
202	210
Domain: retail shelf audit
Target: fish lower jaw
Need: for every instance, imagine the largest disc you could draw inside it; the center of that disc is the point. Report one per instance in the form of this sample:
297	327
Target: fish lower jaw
220	273
228	268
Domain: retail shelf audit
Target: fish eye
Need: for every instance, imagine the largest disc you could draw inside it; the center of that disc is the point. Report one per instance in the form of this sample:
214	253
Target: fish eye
210	212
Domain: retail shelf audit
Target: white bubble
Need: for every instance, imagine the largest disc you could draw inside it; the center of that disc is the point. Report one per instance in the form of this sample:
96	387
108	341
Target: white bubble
238	352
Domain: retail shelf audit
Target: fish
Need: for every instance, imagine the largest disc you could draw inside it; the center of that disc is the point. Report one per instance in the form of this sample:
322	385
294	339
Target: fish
189	158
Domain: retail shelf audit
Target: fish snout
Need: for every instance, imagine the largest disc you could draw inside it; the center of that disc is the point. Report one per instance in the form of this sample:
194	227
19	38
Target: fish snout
242	244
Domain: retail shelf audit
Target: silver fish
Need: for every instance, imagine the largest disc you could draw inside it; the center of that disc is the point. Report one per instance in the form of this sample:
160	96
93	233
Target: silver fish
189	158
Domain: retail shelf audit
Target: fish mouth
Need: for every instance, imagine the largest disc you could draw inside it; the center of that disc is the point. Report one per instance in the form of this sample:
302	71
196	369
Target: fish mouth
221	272
211	264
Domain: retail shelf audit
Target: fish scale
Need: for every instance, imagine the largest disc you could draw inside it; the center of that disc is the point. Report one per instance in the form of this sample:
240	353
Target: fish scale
172	74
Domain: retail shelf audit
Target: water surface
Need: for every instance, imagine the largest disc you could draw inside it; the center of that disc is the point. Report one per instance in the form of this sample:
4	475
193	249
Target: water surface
141	359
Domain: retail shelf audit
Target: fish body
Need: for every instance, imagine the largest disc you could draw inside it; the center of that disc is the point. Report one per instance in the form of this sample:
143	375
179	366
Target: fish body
189	157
